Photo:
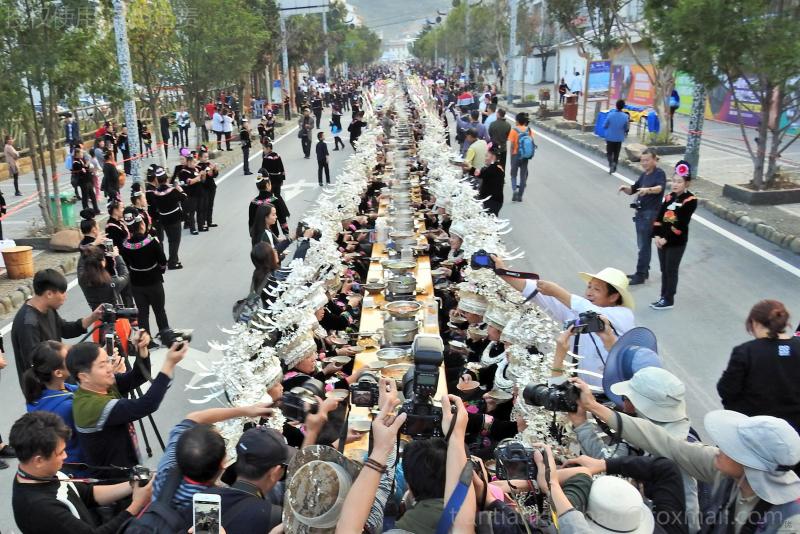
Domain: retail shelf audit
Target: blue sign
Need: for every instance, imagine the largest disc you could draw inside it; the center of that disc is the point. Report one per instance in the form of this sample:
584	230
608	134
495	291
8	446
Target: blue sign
599	80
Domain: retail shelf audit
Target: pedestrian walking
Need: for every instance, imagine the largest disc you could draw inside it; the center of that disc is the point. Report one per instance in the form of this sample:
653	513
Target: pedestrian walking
110	183
146	263
671	232
190	178
147	140
246	143
336	125
125	149
306	126
674	104
169	210
272	165
563	89
498	133
217	126
164	125
649	188
72	132
83	178
316	108
355	128
287	108
323	157
616	128
522	149
184	122
11	156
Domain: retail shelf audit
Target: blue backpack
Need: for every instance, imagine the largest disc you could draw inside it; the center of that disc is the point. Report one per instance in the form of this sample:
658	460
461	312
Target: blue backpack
527	148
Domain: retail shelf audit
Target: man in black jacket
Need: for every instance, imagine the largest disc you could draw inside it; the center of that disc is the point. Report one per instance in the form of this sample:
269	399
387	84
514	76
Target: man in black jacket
492	179
38	320
191	178
272	163
316	107
83	178
306	125
211	171
246	142
322	159
103	415
41	502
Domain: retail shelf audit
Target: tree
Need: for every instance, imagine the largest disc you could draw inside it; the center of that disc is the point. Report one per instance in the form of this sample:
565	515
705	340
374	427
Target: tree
152	58
592	23
218	42
750	46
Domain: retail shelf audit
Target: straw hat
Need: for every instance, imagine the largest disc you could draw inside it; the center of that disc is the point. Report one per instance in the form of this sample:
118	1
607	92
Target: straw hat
617	279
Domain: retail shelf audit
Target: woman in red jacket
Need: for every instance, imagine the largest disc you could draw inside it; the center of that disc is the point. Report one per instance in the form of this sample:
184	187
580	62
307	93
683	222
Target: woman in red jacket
671	232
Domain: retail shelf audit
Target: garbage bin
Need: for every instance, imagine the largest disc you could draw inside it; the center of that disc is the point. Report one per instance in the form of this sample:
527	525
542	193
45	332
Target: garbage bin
571	108
67	207
600	124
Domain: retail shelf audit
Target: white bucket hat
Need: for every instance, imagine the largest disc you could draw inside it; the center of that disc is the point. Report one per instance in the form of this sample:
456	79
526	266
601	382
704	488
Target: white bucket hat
615	278
472	302
656	393
767	447
615	506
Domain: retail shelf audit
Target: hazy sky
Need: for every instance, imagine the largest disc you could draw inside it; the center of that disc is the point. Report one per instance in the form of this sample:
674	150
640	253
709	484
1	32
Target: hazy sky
395	18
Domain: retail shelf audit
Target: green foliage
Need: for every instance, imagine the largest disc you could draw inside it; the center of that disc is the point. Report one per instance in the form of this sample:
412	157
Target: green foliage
590	22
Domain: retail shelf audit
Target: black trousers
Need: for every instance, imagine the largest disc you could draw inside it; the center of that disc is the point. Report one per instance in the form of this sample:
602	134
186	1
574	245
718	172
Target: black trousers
287	112
337	141
670	260
246	158
147	297
206	209
305	141
190	207
126	162
173	233
184	135
16	182
493	206
276	187
176	138
353	142
318	117
323	165
87	194
612	152
219	139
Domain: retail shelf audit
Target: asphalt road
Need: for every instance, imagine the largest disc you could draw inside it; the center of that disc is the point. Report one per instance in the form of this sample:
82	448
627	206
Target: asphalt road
572	220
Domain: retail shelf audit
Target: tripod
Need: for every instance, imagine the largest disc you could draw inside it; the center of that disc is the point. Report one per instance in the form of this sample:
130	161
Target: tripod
107	332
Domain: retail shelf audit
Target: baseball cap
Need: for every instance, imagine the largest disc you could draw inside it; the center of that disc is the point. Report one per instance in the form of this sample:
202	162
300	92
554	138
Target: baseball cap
656	393
767	447
264	445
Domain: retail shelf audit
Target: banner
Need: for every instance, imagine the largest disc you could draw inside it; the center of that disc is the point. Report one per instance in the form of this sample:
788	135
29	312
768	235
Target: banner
632	83
599	80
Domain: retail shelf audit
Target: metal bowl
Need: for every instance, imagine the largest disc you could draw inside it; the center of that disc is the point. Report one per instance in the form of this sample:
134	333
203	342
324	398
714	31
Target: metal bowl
392	355
403	309
400	266
373	288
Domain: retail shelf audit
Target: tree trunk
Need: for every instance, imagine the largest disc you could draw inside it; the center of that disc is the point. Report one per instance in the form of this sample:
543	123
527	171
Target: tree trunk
695	134
155	118
545	58
776	135
761	144
44	205
522	78
48	112
665	81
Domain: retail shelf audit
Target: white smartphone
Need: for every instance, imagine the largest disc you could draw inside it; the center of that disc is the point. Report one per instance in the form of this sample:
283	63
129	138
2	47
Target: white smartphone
207	513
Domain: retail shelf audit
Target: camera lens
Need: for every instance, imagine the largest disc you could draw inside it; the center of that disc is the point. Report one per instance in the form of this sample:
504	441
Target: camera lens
537	394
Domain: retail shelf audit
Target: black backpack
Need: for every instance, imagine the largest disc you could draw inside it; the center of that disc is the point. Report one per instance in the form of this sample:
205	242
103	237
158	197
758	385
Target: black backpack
159	517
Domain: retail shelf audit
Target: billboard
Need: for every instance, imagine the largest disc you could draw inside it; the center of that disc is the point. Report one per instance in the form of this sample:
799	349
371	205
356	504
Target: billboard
599	80
303	7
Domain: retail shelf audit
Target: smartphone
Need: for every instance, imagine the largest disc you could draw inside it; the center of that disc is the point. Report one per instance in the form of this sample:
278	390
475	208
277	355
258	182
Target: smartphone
207	513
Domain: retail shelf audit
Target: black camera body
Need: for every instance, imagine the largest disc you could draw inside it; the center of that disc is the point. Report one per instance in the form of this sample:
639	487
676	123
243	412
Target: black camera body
174	335
482	260
561	398
514	461
140	474
637	205
587	323
111	313
301	400
364	393
423	419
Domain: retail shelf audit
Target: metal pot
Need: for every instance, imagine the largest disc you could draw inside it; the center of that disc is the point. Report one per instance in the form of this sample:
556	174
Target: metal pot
403	239
400	267
400	332
404	224
402	285
403	309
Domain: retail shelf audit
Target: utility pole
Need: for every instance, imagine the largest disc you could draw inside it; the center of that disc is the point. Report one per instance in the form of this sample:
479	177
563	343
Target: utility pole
696	119
466	34
126	80
512	45
325	33
285	53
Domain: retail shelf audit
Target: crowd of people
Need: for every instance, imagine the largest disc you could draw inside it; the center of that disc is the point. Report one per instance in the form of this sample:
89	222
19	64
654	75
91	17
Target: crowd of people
554	410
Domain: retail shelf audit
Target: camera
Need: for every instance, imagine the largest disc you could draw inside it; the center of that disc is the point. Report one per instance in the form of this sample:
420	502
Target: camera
423	419
586	323
637	205
364	393
301	400
140	474
111	313
561	398
514	461
108	246
171	336
481	260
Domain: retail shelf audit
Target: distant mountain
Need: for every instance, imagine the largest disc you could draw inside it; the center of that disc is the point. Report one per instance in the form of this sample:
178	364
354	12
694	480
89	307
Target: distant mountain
397	19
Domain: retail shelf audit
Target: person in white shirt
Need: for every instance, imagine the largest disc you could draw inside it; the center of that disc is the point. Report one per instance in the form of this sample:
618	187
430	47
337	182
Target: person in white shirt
227	128
606	294
184	121
217	126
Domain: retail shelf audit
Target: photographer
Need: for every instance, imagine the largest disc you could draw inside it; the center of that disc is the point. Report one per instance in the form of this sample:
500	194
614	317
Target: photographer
97	284
104	417
649	188
38	320
43	501
606	294
750	470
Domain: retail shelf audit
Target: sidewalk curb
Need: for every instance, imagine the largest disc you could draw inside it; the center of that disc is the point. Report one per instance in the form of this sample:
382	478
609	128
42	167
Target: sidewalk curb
754	225
12	300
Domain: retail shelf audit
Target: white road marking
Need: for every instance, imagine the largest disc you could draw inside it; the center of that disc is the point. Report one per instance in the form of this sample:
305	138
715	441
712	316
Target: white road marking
786	266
